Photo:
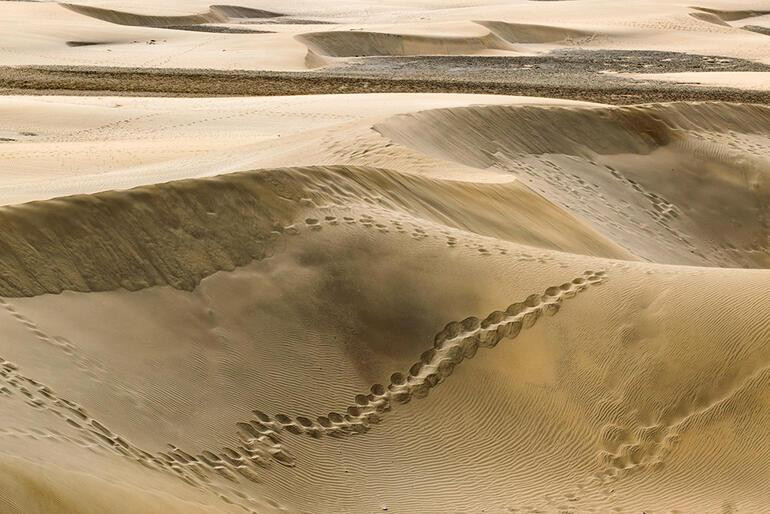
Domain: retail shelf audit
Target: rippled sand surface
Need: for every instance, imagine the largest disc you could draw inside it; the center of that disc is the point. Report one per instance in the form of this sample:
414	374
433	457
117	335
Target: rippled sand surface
392	302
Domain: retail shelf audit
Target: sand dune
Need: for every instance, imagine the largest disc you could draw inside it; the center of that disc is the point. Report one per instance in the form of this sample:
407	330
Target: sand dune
710	17
758	29
137	35
625	449
726	15
719	150
393	302
136	251
527	33
356	44
565	152
215	14
722	17
544	214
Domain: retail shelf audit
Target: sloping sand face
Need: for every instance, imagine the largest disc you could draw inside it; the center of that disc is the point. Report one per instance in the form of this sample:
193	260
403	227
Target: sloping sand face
356	44
383	302
669	181
440	303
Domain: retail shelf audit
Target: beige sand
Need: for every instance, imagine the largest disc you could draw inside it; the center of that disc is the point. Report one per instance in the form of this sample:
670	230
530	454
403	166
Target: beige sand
132	33
386	302
757	80
290	290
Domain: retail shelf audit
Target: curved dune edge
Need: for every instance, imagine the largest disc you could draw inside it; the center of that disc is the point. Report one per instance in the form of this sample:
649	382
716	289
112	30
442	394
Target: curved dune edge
325	366
215	14
558	129
572	156
757	29
731	15
122	239
531	33
360	44
709	17
313	60
179	232
502	36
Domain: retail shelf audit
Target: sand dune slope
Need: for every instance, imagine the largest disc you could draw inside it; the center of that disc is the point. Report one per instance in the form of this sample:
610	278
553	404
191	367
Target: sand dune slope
732	15
136	250
215	14
355	44
401	303
695	191
596	404
528	33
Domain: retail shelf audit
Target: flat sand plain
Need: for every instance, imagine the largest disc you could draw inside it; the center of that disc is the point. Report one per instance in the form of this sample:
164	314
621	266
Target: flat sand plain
223	291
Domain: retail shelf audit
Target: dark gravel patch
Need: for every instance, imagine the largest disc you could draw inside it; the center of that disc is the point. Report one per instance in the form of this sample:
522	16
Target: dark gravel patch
549	68
577	75
217	29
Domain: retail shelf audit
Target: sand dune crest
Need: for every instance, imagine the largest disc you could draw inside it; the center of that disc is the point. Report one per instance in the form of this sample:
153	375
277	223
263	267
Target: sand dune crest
529	33
215	14
356	44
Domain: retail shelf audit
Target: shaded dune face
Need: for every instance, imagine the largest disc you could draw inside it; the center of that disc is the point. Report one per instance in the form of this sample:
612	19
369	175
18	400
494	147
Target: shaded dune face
502	36
355	44
178	233
529	33
724	17
732	15
354	338
679	183
710	17
215	14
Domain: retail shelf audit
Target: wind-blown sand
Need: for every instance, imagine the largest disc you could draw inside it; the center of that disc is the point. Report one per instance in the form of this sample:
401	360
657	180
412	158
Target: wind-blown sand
394	301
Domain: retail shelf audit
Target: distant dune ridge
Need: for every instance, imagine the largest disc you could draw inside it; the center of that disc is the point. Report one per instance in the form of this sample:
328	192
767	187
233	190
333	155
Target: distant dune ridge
376	302
727	15
527	33
352	44
215	14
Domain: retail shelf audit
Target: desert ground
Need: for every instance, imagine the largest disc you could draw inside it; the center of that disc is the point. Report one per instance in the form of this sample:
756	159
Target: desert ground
409	256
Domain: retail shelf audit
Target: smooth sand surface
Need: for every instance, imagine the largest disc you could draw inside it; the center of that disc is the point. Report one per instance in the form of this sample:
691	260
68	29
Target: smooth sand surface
55	146
757	80
381	302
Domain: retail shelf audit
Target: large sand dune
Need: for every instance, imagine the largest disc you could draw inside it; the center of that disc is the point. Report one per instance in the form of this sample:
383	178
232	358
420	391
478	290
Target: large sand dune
267	340
383	302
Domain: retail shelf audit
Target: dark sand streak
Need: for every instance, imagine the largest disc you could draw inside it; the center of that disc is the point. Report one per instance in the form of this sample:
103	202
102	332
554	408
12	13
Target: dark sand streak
188	83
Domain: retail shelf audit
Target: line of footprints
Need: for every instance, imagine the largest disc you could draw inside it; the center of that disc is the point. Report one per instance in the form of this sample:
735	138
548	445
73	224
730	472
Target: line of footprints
456	342
260	438
243	460
391	222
